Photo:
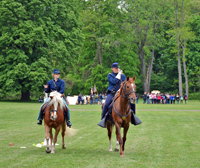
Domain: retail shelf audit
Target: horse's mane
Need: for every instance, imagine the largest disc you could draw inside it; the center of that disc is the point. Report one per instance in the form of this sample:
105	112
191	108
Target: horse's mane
120	90
56	98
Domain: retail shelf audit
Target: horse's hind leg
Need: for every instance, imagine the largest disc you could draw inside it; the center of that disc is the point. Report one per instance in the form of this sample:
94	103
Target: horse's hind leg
47	129
109	128
63	135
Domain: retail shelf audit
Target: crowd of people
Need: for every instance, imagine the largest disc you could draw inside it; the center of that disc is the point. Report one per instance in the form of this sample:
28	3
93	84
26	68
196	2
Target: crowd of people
91	99
162	98
149	98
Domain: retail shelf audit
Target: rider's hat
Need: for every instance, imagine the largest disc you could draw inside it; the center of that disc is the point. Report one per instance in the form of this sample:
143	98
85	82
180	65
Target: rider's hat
115	65
56	71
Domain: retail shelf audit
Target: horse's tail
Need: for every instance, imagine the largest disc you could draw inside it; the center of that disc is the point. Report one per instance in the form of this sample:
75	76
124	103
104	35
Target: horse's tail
69	132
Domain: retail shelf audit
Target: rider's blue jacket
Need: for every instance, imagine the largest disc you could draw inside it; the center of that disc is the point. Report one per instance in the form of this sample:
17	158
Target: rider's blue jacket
113	81
60	86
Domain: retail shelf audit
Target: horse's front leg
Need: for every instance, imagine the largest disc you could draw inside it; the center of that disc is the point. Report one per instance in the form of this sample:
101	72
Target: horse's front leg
47	129
109	128
55	139
63	135
126	127
51	137
119	138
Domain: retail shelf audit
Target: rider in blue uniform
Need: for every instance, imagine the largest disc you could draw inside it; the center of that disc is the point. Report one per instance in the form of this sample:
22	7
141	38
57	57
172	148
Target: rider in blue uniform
115	79
58	85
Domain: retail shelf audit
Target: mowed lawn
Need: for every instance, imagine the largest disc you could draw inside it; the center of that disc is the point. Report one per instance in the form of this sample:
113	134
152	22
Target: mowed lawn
168	137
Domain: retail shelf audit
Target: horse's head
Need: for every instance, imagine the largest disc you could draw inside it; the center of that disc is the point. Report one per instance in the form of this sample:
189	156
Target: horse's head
129	88
56	102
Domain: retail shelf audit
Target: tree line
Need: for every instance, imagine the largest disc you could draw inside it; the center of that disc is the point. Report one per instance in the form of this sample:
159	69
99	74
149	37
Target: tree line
155	40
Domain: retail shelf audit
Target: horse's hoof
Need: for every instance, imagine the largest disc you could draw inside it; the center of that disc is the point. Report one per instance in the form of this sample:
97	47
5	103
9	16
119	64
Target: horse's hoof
63	146
122	156
110	150
48	150
116	150
52	151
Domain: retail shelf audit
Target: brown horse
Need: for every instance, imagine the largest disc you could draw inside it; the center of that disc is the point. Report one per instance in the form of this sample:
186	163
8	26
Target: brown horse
54	118
121	113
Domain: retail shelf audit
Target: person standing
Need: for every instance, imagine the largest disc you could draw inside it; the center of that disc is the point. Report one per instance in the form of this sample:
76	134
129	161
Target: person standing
79	98
148	97
40	99
185	98
177	98
100	98
137	97
91	98
144	98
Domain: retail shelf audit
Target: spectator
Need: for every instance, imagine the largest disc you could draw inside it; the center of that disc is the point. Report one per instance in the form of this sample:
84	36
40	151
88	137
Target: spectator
177	98
79	98
174	98
148	98
181	98
40	99
91	98
86	99
137	97
82	100
158	98
154	98
185	98
144	97
100	98
163	99
171	98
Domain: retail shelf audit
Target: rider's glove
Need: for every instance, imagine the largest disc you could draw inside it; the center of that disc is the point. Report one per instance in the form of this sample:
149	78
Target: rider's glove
119	74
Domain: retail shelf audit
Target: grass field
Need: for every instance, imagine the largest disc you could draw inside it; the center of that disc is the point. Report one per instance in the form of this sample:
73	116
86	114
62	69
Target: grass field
168	137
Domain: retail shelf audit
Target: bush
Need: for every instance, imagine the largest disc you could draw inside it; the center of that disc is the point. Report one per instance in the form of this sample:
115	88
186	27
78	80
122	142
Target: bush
194	96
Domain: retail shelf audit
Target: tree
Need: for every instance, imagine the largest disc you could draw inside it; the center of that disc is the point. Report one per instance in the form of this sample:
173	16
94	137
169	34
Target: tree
32	36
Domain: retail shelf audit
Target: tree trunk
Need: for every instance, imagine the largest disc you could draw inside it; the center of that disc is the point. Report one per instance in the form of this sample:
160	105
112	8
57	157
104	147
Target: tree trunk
179	69
25	96
185	69
151	63
179	59
142	60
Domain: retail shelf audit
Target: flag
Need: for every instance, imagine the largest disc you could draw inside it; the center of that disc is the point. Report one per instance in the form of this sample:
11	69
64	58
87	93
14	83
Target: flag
95	89
91	89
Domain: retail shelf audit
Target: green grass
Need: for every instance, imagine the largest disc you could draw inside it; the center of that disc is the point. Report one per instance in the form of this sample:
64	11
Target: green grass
168	137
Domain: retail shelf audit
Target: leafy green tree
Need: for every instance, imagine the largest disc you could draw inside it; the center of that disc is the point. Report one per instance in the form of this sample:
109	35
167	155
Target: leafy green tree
35	37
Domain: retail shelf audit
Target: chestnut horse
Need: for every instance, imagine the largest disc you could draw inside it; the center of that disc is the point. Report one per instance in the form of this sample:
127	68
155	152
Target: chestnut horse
54	118
121	113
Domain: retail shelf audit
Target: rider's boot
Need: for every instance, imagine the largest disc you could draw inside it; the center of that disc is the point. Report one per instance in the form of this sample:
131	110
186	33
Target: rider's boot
39	122
69	124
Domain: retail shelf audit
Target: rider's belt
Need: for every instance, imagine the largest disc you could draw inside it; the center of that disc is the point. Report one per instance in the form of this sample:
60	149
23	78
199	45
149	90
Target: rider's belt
113	92
53	90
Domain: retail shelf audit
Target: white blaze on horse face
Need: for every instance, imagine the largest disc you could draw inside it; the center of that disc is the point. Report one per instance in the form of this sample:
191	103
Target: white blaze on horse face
133	87
55	108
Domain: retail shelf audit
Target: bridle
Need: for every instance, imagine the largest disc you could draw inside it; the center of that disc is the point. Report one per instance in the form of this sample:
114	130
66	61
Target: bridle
126	94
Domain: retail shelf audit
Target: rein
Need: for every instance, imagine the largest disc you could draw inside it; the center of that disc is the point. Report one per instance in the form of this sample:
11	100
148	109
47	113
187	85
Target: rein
126	97
126	94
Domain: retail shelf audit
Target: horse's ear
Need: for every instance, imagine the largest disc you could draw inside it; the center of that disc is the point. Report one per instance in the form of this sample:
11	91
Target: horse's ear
134	78
127	78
